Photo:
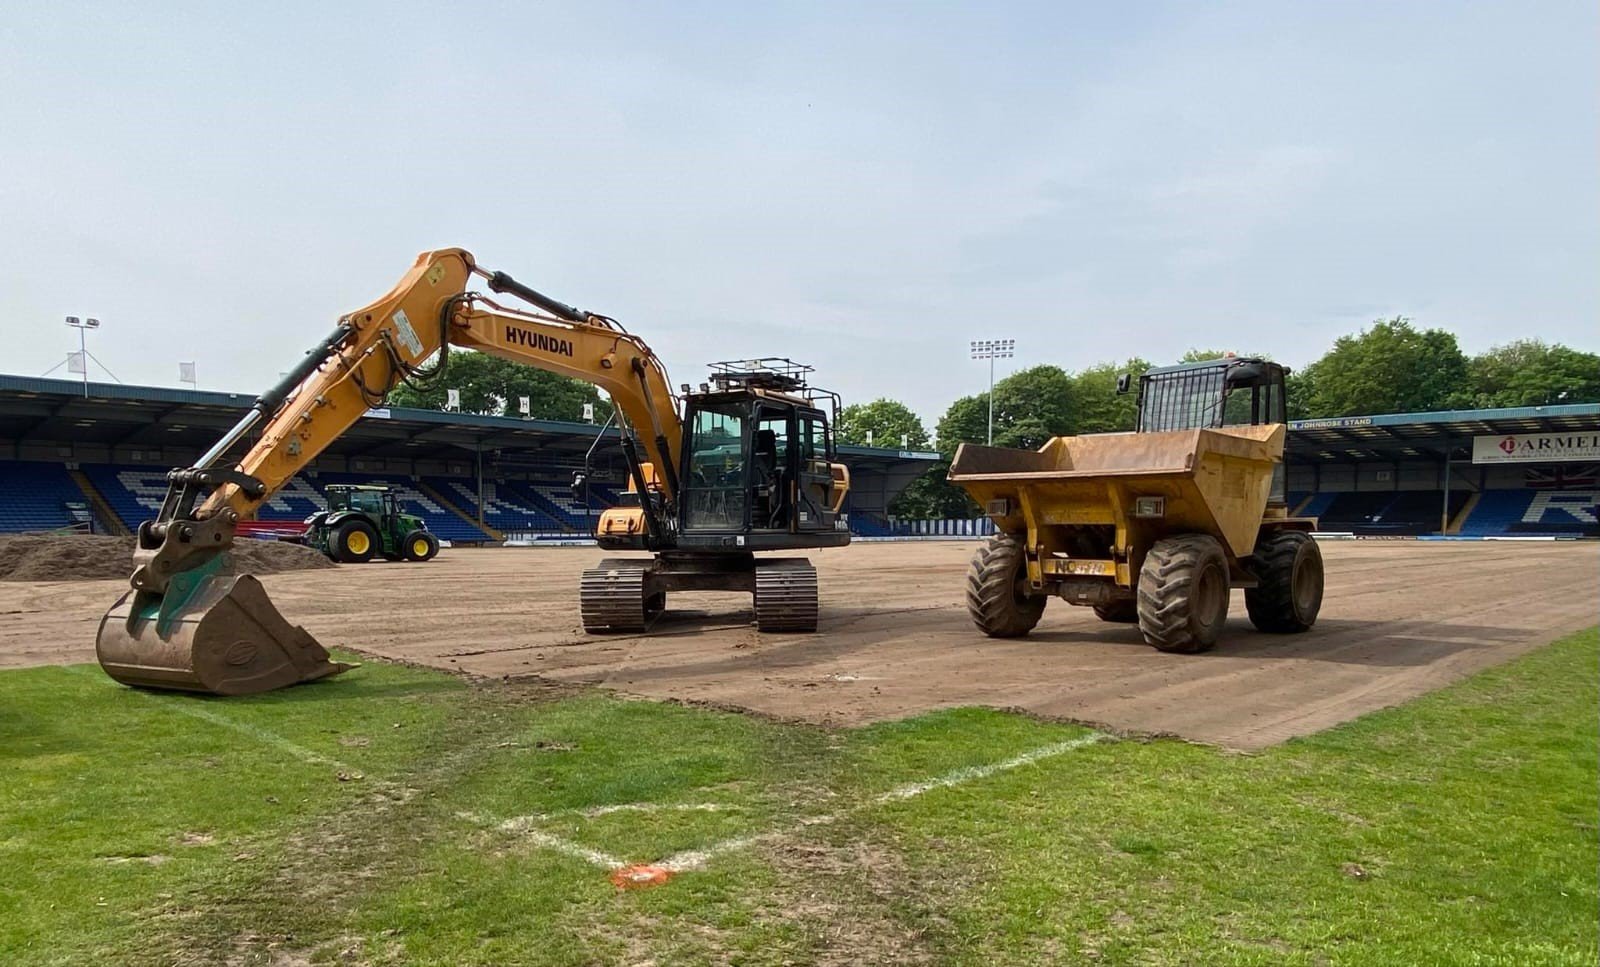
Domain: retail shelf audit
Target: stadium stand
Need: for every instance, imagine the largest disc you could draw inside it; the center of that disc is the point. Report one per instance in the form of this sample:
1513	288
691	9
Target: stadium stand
1413	512
36	495
866	524
505	507
135	494
1317	506
1376	475
1556	513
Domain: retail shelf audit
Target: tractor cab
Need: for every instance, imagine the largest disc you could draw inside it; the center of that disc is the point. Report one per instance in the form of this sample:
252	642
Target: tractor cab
1212	393
369	499
758	467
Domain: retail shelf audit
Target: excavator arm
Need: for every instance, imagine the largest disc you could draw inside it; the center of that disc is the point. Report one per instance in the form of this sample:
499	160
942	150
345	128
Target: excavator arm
374	348
189	623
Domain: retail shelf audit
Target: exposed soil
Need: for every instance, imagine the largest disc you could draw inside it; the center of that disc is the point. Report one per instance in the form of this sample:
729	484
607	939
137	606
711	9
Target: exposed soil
1400	619
90	557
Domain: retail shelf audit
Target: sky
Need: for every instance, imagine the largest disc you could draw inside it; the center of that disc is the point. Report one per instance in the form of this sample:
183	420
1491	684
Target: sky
866	187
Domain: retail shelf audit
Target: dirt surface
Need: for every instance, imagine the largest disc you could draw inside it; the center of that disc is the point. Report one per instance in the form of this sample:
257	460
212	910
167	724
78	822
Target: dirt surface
1400	619
90	557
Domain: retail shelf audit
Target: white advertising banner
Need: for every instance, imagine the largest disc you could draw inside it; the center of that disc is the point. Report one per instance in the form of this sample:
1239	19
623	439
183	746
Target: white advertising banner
1537	447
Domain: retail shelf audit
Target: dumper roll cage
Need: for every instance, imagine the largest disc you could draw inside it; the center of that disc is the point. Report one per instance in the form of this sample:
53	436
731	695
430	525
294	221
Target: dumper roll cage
1209	394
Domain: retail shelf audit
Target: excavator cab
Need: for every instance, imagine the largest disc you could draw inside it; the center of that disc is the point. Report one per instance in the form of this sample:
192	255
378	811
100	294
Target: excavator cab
758	464
756	473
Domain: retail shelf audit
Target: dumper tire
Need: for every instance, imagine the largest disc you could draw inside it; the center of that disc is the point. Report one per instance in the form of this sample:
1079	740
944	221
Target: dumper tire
1121	611
1288	566
355	542
998	597
1183	593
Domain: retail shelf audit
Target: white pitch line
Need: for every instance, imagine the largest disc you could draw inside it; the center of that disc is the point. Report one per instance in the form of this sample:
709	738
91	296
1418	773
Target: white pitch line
647	807
698	858
522	826
265	737
969	773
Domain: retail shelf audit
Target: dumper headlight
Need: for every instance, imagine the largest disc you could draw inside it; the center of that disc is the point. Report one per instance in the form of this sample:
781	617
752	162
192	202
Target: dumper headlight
1150	507
998	507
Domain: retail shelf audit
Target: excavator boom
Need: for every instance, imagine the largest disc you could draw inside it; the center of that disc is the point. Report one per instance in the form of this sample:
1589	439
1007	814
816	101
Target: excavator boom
188	622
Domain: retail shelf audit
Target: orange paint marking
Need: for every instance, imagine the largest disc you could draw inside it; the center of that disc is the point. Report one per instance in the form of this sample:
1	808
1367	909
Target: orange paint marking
640	876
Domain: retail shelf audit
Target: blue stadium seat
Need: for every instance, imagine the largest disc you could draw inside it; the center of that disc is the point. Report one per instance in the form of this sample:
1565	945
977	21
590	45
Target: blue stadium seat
34	496
1318	506
135	494
1399	512
505	506
1529	512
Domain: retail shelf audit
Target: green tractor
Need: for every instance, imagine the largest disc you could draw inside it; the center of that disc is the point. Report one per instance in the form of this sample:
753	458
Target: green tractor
363	521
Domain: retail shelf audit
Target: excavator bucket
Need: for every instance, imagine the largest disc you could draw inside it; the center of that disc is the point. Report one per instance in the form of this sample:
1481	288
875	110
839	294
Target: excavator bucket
210	632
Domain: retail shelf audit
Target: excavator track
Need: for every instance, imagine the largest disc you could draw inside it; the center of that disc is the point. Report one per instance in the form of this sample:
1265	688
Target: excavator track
786	595
612	596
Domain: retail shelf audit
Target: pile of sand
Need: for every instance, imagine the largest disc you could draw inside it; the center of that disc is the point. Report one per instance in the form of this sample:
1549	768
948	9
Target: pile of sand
89	557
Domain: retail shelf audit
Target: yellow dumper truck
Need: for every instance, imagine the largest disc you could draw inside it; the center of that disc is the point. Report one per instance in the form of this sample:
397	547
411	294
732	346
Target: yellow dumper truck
1155	526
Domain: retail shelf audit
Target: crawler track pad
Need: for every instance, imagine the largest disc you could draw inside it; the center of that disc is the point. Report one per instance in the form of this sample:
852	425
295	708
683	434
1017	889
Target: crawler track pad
220	634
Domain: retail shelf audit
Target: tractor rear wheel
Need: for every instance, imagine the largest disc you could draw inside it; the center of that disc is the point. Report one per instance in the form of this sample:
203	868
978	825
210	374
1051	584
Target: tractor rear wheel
419	545
1183	593
1121	611
1288	565
355	542
998	597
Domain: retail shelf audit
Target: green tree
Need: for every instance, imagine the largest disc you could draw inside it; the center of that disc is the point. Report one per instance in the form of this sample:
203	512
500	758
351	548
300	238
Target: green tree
1201	355
888	422
1100	408
1390	367
1297	389
932	497
1030	406
491	385
1529	372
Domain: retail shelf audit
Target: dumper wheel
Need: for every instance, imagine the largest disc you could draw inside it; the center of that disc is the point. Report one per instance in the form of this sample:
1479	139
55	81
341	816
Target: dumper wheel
998	597
1288	565
355	542
1123	611
1183	593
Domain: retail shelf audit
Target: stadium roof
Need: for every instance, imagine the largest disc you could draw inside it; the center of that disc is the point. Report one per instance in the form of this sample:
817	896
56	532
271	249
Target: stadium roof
1400	436
36	408
119	415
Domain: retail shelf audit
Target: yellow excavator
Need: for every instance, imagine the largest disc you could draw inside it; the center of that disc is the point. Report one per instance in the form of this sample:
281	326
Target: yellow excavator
745	464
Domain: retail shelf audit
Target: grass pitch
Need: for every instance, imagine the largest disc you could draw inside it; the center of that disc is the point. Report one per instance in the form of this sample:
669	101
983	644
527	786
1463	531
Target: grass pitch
401	816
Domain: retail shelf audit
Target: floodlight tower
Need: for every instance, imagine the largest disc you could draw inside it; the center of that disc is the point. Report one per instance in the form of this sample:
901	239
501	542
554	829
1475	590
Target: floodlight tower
83	326
992	349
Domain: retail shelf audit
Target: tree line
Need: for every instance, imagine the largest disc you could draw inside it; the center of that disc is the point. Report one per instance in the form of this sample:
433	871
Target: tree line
1389	367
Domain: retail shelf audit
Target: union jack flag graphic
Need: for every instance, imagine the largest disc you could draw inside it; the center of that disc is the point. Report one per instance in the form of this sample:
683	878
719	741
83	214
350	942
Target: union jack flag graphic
1576	477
